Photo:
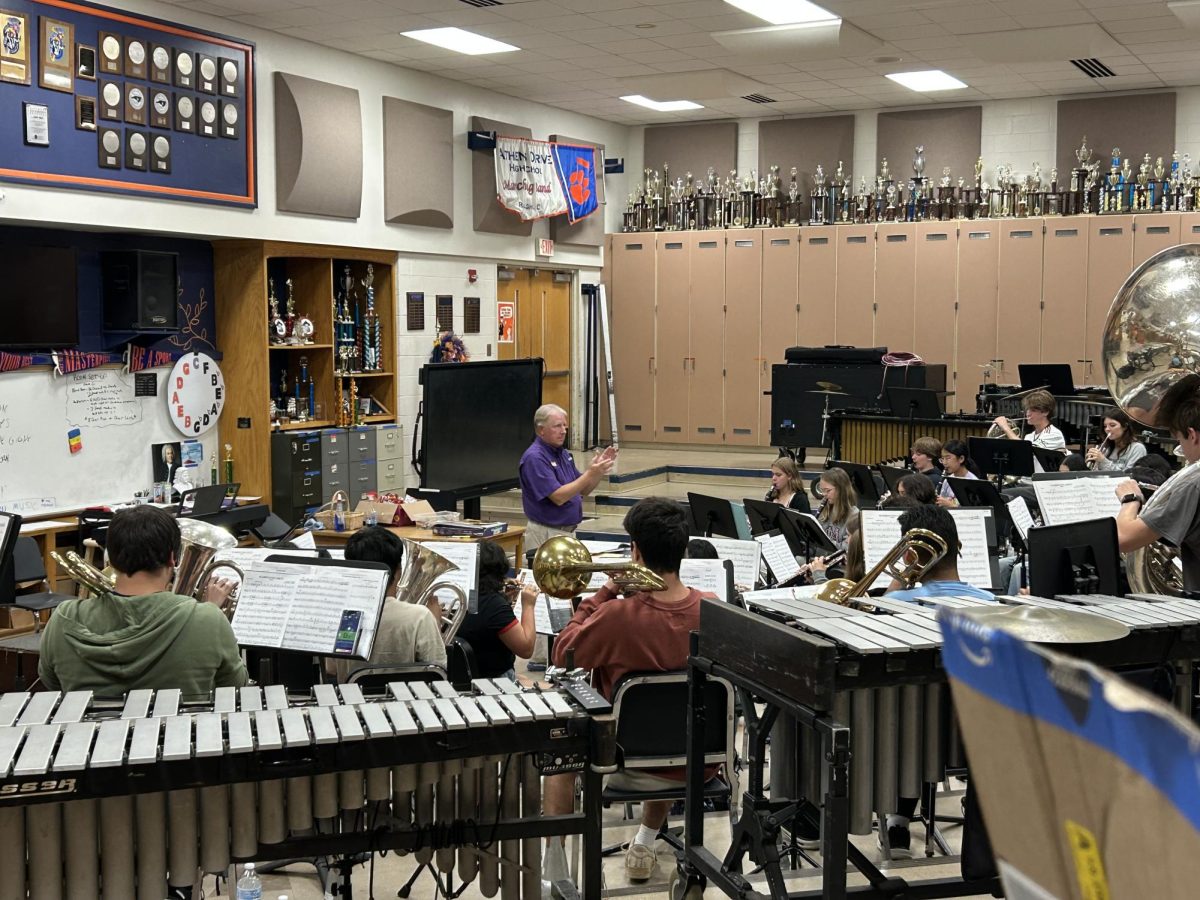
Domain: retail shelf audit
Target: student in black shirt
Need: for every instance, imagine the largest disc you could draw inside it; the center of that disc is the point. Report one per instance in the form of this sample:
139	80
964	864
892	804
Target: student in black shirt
494	632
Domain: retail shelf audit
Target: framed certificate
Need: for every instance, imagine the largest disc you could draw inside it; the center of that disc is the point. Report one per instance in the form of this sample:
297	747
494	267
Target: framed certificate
14	47
85	62
37	124
112	50
57	58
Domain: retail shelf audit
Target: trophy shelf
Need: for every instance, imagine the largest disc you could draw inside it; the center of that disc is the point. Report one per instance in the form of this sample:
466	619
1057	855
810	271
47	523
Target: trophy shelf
308	425
300	346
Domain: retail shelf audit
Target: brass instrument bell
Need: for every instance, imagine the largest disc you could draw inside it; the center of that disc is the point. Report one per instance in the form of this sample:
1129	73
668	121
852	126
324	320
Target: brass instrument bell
927	547
562	567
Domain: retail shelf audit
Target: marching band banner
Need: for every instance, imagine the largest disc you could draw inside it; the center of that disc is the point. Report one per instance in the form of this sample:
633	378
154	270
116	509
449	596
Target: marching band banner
536	179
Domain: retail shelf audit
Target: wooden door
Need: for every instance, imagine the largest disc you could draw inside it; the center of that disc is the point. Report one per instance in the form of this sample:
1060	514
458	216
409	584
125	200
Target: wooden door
936	292
551	294
854	313
975	317
780	308
895	276
1152	233
631	311
672	347
1019	296
1110	260
1064	293
743	319
706	387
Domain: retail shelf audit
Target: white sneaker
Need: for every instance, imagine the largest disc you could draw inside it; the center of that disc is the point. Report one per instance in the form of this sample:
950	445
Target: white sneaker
640	862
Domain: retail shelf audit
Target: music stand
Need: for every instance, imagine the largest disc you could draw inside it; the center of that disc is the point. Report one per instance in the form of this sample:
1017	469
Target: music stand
1001	456
713	516
1053	377
1049	460
861	477
982	493
804	533
1079	558
891	477
10	530
763	515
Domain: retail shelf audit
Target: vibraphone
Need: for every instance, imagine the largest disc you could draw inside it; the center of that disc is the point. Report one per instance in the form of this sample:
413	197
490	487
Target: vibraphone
863	438
122	802
869	693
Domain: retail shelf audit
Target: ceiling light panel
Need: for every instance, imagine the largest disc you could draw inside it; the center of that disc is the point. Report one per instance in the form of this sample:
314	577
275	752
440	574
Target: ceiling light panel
927	81
460	41
661	105
785	12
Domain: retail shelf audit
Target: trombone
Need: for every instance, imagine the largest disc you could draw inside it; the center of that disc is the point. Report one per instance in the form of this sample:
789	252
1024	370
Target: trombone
927	548
562	567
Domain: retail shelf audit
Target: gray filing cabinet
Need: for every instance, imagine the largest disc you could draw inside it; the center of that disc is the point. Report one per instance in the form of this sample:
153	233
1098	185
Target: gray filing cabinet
389	458
335	463
362	473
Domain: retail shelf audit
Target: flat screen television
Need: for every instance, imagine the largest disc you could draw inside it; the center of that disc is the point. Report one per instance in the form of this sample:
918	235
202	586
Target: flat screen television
39	297
476	421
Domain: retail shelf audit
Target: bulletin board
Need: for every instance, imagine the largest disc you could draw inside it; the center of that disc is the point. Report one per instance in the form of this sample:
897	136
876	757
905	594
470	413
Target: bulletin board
98	99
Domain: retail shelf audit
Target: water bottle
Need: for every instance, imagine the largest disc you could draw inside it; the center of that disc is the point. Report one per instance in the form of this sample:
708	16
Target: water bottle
339	513
371	517
249	886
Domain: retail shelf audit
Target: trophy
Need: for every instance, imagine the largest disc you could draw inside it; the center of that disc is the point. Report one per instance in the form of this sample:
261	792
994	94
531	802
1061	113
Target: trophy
919	164
290	338
817	212
884	175
283	388
1127	185
278	327
371	326
979	173
890	212
229	463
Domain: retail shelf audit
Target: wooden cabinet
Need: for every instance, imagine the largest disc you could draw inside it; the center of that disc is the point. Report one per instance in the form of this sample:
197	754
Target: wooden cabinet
631	268
975	317
854	293
706	344
672	338
743	325
1019	295
1153	233
1110	260
936	286
1064	293
253	367
784	295
895	280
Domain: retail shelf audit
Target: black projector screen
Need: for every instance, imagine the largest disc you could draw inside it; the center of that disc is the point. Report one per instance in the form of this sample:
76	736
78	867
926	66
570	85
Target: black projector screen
477	421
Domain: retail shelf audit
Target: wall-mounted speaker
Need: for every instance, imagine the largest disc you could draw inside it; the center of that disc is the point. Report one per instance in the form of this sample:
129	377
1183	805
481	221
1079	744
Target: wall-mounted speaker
140	288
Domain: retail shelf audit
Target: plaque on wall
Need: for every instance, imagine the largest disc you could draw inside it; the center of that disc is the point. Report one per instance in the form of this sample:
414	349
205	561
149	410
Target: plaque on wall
56	69
185	69
37	124
135	104
185	113
111	52
160	63
206	124
85	62
109	146
136	146
229	120
160	109
230	86
160	154
206	66
15	65
135	58
110	100
85	113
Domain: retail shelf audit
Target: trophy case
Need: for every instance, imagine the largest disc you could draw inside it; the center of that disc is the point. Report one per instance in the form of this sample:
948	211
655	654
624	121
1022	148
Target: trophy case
289	316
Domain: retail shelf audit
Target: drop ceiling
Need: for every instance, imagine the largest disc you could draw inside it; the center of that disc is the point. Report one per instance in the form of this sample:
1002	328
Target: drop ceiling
582	55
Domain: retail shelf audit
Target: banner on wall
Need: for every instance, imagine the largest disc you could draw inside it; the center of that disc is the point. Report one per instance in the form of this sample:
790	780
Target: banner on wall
537	179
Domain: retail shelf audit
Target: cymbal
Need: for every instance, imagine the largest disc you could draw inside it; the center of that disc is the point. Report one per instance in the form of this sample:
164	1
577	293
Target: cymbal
831	387
1042	625
831	393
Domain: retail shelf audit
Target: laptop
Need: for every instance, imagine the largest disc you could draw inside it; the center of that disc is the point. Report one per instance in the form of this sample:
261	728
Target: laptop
208	500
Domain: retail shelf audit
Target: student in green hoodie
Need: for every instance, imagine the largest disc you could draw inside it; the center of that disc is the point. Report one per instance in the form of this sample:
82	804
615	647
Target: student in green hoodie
142	635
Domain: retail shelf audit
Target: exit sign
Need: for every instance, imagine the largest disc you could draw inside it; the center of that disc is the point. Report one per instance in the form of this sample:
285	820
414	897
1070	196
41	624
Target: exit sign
545	247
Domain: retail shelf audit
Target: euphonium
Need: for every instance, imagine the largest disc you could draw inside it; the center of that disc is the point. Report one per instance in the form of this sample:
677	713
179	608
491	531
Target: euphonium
927	548
417	582
84	573
562	567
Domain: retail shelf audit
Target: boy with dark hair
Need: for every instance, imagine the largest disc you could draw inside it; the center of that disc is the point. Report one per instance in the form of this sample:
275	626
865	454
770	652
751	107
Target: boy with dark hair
142	635
644	632
941	580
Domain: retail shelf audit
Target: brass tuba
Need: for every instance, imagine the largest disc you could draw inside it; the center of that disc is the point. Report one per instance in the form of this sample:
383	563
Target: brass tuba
928	548
418	580
562	567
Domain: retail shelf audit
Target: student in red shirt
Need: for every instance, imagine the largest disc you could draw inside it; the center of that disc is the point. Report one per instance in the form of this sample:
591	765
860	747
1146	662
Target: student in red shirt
644	632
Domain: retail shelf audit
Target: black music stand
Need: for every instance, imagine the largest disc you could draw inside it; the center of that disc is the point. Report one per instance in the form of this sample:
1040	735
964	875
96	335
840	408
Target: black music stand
713	516
1049	460
981	493
804	531
1054	377
1001	456
891	477
1079	558
861	477
762	514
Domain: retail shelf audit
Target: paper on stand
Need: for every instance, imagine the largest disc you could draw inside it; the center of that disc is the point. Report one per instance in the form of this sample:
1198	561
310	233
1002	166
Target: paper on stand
745	556
974	561
706	576
1018	511
465	555
778	555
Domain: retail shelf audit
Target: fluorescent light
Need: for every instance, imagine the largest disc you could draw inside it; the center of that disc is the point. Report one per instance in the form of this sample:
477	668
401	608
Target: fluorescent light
927	81
785	12
460	41
661	105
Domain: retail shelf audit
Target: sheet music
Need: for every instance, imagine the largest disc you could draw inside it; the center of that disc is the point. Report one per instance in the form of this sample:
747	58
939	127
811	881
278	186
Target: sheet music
249	557
1018	510
706	576
880	532
1105	501
745	556
305	541
1064	501
5	521
595	547
778	556
974	562
541	612
465	555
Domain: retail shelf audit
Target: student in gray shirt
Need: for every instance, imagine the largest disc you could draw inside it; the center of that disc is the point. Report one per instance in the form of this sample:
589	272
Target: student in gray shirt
1173	513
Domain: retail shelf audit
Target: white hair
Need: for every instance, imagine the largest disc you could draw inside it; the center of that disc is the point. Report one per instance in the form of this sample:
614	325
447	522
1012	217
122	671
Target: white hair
544	412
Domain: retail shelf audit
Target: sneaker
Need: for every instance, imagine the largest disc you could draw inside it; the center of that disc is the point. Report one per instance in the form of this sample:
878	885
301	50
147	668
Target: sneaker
899	840
807	837
640	862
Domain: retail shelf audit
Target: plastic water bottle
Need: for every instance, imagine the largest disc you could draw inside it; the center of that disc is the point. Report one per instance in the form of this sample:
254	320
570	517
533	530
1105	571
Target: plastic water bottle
339	514
249	886
371	517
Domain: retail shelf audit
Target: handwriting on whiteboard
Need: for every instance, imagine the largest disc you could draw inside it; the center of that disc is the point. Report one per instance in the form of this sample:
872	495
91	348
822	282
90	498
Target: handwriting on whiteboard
101	397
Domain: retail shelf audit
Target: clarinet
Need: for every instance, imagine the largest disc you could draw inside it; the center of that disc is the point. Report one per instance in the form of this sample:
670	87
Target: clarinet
772	494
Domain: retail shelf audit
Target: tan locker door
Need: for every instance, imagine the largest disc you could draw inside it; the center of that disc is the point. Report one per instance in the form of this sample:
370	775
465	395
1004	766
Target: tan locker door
780	255
672	347
1189	228
1064	292
706	359
602	397
511	286
553	341
1110	260
854	313
631	311
743	321
1152	233
936	293
818	287
1019	297
975	323
895	282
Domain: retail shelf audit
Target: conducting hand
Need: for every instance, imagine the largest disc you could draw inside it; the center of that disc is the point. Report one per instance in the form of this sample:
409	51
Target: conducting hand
602	462
218	591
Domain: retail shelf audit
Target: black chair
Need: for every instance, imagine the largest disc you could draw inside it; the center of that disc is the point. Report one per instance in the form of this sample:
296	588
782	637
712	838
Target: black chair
461	664
28	567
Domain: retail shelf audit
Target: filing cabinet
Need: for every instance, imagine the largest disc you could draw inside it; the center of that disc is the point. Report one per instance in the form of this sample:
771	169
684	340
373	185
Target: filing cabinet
295	473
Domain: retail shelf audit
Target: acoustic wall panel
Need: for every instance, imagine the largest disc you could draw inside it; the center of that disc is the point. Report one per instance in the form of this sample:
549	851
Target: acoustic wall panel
418	164
590	231
318	147
1133	124
490	216
804	144
691	148
951	137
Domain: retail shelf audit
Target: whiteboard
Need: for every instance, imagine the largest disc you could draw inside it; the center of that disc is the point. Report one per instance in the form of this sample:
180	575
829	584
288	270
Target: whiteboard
39	474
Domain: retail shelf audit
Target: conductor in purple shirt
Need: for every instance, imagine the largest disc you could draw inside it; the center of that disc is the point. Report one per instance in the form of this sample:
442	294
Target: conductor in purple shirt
552	489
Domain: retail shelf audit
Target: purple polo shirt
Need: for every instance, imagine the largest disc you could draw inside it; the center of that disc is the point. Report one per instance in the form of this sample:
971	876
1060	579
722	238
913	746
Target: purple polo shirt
544	469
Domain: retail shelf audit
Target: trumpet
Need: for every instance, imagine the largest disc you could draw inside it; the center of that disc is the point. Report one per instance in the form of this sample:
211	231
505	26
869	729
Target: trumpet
927	549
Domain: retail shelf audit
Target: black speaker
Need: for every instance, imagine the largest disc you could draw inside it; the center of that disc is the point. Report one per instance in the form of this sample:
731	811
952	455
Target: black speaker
140	289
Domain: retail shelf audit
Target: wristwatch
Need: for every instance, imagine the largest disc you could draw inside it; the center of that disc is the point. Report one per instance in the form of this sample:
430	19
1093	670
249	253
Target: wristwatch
1131	498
